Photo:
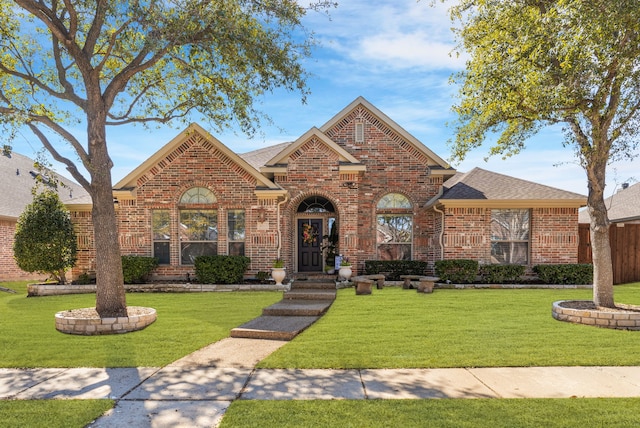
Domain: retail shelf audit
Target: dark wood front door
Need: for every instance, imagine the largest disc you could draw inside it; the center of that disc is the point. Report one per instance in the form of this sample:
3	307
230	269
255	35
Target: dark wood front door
309	245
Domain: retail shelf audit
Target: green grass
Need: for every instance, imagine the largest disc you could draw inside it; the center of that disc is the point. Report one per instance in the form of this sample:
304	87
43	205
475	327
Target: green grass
395	328
186	322
512	413
391	328
51	413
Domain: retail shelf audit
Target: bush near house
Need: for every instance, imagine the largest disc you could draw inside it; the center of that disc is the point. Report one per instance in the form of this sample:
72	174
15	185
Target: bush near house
501	274
221	269
394	268
458	271
578	273
136	269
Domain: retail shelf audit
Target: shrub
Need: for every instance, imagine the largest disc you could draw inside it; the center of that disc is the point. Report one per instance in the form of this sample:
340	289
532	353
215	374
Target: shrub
221	269
458	270
500	274
262	275
394	268
136	269
579	273
45	241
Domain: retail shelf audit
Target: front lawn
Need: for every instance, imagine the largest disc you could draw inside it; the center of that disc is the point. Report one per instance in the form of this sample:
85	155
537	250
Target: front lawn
395	328
186	322
51	413
514	413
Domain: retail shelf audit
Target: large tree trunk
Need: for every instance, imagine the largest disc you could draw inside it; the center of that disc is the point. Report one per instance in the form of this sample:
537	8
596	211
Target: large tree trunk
110	294
600	246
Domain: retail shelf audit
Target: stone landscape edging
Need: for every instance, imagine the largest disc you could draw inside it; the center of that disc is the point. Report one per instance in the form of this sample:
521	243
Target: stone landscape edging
34	290
620	319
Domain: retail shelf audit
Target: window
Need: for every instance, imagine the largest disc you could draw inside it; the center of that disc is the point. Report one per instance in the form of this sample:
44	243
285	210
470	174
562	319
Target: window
198	234
198	226
236	232
394	235
161	228
198	195
510	236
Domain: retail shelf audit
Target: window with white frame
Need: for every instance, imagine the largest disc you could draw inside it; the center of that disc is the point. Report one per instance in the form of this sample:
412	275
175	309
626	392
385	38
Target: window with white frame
394	228
510	236
198	225
236	232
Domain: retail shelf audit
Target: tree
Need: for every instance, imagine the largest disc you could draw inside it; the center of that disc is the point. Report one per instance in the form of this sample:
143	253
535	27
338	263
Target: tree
535	63
45	241
68	64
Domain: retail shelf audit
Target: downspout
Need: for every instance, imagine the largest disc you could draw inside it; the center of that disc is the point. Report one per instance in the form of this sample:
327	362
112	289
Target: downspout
440	238
286	199
433	204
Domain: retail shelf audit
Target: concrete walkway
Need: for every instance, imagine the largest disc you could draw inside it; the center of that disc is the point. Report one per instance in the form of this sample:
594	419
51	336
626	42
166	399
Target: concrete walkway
196	390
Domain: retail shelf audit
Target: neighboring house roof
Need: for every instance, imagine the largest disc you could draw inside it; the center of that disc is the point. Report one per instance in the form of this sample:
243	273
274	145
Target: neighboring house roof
480	187
624	205
17	175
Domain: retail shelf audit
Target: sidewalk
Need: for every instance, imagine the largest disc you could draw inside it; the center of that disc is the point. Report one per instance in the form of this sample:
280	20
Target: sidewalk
196	390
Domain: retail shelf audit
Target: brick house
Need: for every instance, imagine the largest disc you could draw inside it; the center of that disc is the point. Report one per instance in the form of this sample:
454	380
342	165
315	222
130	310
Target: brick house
384	193
18	176
359	178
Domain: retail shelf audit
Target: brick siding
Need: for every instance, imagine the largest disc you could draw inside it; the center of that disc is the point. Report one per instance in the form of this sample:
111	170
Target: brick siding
9	270
393	165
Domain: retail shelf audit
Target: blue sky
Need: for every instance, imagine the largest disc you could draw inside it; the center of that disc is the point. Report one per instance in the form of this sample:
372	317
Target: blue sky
396	54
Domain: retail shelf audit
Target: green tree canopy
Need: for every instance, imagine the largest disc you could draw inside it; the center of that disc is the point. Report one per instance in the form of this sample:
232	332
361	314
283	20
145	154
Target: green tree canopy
69	69
535	63
45	241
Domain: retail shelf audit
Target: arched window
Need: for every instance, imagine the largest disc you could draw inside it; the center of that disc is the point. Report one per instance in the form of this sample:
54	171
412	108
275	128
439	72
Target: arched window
394	228
198	227
394	200
198	195
316	204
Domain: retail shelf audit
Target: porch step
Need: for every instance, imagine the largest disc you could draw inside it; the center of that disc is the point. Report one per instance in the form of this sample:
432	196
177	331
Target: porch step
304	304
274	327
297	308
314	283
310	294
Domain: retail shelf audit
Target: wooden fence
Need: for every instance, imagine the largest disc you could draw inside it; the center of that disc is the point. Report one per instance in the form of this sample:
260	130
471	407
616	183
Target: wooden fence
625	251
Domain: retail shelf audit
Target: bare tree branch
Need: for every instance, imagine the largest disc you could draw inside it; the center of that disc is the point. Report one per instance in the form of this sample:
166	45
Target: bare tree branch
71	167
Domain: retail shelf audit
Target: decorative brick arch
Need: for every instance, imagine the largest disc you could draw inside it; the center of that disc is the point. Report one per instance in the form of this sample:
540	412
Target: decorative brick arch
291	216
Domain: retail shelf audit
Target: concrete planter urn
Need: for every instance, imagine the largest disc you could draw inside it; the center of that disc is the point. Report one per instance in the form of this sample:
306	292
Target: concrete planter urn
345	272
278	274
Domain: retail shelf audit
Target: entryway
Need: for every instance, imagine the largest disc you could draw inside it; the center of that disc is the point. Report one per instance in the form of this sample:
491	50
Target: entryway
310	245
315	219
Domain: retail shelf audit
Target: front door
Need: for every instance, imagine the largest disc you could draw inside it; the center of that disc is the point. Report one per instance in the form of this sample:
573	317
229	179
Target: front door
309	245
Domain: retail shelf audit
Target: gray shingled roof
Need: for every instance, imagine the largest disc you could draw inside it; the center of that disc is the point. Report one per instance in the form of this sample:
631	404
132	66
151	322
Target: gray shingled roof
624	205
482	184
17	182
259	158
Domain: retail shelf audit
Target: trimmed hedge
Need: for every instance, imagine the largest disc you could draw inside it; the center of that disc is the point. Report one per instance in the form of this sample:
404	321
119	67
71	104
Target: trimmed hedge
136	269
221	269
394	268
501	274
579	273
458	271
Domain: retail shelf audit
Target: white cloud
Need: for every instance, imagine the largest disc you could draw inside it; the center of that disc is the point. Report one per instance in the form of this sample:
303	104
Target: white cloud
409	50
397	35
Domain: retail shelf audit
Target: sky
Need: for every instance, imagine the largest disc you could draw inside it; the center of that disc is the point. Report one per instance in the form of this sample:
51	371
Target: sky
397	54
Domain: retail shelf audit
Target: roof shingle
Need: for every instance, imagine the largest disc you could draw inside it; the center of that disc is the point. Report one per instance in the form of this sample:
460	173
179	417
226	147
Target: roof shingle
624	205
17	177
482	184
